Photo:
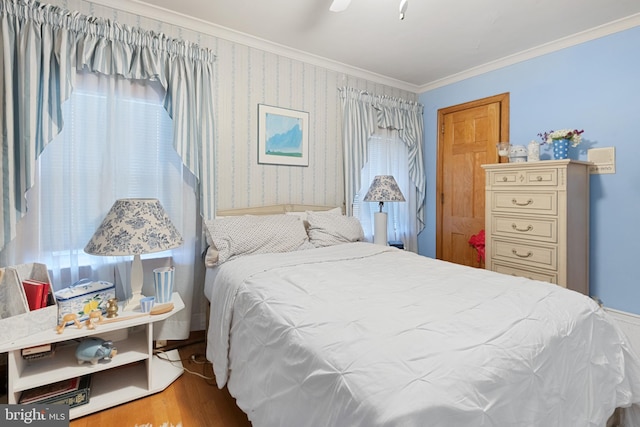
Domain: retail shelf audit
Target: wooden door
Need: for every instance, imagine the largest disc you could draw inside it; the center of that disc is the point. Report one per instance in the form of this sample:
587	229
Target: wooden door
467	139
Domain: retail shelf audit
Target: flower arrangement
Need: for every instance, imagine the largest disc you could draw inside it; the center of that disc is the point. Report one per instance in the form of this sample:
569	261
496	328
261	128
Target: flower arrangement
572	134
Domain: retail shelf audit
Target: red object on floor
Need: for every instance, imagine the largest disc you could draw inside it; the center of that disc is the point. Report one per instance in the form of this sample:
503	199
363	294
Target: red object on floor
477	241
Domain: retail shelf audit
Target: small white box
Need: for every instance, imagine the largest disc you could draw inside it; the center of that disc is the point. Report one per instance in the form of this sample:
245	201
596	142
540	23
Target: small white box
84	296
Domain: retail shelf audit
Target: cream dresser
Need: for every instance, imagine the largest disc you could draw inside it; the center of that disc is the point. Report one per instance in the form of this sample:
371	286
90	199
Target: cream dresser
537	221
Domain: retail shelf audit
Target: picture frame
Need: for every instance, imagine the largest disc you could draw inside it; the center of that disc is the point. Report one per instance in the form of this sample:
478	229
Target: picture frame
283	136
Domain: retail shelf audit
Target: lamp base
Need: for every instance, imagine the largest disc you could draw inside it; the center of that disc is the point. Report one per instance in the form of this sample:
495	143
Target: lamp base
380	227
133	303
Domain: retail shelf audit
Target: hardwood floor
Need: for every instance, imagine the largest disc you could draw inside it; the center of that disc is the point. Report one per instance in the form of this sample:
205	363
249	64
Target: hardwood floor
191	400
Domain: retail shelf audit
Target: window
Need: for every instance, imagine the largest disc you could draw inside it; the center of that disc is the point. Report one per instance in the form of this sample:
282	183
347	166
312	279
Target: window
388	155
116	142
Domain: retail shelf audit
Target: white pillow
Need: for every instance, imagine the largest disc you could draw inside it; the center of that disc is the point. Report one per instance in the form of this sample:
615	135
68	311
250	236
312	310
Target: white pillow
328	229
234	236
303	215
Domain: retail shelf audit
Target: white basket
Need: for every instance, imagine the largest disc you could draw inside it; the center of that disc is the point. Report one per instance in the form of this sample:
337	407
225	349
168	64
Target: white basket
16	320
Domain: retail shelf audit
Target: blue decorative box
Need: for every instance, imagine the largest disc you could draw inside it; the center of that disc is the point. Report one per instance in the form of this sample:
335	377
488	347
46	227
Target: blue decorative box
84	296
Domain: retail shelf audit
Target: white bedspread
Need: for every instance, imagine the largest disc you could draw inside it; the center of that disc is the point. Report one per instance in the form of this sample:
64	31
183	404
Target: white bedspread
366	335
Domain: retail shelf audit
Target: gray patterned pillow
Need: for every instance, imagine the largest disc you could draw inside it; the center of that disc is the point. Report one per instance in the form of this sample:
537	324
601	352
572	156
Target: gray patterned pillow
235	236
328	229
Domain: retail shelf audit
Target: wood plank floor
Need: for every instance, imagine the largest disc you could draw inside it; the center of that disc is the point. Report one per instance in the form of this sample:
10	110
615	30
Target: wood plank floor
191	400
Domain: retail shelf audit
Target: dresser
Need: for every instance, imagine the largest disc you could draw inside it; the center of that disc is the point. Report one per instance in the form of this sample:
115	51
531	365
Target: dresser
537	221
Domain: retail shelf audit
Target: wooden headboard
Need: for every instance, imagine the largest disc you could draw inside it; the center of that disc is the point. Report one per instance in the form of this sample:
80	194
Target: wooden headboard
274	209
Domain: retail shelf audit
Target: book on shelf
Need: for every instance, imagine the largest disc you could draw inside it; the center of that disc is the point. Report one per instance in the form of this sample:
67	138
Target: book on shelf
39	351
36	292
72	392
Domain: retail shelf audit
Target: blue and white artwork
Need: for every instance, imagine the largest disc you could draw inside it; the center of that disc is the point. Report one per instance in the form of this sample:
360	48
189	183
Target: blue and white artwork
283	135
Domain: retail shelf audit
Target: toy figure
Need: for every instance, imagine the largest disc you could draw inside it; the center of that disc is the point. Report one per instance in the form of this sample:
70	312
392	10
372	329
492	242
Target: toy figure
94	350
95	316
71	317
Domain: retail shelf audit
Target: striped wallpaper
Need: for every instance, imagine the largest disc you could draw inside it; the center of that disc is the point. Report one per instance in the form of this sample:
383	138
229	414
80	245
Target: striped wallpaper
246	76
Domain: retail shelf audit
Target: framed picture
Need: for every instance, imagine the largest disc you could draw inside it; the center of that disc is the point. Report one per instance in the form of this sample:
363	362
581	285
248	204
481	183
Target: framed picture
283	136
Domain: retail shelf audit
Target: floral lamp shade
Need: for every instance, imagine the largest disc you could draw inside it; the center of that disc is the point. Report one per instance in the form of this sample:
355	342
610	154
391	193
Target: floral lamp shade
384	188
134	227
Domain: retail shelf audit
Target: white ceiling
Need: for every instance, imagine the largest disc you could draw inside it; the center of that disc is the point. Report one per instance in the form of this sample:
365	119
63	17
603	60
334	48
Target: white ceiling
436	40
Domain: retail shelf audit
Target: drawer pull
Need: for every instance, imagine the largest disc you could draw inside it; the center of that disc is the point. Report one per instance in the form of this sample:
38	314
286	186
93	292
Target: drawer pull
539	178
524	230
515	252
528	202
504	179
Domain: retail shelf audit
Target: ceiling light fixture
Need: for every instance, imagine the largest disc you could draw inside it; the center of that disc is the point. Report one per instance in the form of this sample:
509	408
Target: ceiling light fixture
341	5
403	8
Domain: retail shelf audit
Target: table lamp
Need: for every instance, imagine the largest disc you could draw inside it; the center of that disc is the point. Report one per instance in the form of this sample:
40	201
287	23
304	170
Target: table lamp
384	188
134	227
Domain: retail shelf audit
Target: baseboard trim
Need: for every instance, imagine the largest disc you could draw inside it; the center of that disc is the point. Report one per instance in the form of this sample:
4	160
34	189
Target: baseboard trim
630	325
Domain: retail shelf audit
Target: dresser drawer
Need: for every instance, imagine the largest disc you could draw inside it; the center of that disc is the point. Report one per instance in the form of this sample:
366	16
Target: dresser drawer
545	203
532	177
535	228
524	253
550	276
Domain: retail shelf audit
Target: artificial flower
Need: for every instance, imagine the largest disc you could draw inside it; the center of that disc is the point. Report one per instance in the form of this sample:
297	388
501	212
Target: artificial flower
572	134
478	242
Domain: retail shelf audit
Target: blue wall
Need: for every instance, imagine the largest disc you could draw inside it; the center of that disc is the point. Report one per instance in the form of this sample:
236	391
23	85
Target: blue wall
593	86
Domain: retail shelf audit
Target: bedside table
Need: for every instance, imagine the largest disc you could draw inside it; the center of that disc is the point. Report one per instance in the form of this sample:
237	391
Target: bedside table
139	373
396	244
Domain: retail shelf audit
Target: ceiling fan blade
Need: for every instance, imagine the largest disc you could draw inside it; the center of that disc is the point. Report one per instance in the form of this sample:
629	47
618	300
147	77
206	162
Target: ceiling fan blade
403	8
339	5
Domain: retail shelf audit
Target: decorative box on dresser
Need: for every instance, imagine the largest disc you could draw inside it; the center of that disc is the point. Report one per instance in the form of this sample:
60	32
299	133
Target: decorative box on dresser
537	221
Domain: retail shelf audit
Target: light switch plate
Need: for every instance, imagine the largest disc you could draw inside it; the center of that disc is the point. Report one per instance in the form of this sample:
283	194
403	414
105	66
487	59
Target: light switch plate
603	159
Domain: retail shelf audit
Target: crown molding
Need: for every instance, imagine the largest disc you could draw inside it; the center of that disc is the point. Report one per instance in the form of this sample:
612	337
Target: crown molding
575	39
137	7
175	18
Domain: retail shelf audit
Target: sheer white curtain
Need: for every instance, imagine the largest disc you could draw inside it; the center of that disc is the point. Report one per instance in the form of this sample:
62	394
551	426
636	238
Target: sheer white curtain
387	154
116	143
42	47
364	115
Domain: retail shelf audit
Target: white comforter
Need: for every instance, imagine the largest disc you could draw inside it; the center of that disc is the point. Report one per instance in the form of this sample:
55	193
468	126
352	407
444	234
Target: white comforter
365	335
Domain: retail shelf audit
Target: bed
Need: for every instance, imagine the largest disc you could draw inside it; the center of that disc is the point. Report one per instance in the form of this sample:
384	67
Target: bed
340	332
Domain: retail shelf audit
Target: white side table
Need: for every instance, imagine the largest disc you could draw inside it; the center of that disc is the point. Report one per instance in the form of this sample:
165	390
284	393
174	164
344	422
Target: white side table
144	373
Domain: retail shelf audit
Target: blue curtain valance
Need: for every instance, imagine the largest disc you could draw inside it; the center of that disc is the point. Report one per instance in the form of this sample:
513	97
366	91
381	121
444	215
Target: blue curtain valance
105	29
363	113
43	47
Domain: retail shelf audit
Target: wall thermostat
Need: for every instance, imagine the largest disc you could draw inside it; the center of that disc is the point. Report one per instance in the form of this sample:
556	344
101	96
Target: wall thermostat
603	159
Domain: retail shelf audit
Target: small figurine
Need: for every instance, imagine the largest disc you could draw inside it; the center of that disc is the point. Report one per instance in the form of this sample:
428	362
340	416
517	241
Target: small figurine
71	317
95	316
112	308
94	350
